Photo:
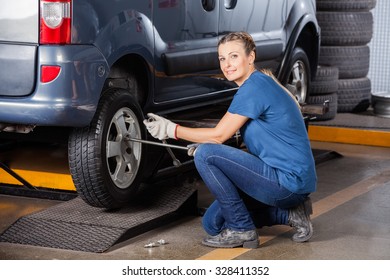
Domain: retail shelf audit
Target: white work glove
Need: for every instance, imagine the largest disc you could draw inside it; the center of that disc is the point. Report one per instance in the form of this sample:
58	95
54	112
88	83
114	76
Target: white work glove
160	127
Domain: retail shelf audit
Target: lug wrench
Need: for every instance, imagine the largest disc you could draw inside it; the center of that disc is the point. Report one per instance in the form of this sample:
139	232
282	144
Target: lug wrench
176	162
189	148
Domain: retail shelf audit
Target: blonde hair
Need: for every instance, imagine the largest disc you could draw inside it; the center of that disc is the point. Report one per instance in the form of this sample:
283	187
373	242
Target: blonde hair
249	46
244	37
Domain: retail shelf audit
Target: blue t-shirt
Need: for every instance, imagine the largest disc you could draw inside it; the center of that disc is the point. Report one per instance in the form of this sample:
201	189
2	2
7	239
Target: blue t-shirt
276	132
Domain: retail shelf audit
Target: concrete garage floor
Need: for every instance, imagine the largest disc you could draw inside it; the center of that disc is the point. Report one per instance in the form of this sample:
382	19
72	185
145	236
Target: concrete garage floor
351	220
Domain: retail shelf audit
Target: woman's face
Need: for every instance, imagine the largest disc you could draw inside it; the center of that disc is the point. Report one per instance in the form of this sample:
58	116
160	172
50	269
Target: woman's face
235	64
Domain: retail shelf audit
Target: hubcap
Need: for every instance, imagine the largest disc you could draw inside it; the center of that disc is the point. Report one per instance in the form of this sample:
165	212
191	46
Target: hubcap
123	156
297	82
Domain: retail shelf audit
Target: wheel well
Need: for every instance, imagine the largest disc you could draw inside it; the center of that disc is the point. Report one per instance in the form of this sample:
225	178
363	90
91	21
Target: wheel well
310	46
130	73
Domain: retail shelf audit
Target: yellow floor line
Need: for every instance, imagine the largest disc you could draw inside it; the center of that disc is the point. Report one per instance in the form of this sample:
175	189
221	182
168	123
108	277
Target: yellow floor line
349	136
320	207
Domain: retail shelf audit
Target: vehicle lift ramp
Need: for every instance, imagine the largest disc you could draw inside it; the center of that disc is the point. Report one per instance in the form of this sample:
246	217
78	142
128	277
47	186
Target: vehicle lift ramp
75	225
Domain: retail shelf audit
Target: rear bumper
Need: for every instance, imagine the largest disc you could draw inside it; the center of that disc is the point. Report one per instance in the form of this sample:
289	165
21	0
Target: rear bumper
69	100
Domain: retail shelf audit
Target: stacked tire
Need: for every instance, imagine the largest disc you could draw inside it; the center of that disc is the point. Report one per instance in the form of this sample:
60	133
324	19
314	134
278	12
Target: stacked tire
346	30
324	88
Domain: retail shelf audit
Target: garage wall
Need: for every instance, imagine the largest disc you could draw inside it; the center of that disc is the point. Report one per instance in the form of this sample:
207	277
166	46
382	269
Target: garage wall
379	73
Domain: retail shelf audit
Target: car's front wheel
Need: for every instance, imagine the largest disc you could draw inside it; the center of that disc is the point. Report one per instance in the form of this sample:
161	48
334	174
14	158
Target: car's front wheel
105	166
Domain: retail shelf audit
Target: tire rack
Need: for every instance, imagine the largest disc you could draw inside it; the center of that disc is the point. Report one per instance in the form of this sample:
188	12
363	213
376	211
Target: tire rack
346	30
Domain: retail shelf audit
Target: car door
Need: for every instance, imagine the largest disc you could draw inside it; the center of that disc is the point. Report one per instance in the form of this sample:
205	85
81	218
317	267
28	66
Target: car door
186	34
263	19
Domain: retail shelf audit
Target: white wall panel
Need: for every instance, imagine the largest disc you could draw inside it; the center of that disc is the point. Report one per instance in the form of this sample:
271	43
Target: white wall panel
379	73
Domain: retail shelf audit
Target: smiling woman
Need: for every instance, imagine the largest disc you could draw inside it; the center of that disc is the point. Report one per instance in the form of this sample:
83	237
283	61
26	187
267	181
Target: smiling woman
260	186
236	57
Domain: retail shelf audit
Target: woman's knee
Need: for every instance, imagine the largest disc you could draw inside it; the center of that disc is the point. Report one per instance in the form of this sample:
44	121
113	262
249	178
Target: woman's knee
202	152
208	150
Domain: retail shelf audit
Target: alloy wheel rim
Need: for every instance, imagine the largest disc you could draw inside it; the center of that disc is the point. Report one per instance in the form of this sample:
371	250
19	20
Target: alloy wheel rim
297	82
123	156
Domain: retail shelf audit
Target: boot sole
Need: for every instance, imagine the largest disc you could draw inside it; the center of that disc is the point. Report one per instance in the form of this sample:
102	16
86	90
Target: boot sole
308	208
251	244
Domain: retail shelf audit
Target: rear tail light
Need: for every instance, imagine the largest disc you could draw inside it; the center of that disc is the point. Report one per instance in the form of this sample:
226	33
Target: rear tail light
56	22
49	73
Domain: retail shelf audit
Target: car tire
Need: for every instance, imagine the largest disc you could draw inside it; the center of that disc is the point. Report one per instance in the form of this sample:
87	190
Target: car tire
345	28
354	95
319	100
105	167
326	81
352	61
298	79
345	5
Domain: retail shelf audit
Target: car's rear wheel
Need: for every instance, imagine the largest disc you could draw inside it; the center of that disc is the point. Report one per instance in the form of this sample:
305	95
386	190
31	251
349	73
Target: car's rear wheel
105	166
298	80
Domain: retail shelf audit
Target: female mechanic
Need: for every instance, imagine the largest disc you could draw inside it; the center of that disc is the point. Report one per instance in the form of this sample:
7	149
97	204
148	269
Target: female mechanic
268	183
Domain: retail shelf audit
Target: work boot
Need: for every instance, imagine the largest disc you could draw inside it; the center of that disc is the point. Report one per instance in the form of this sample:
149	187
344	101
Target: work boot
230	239
299	218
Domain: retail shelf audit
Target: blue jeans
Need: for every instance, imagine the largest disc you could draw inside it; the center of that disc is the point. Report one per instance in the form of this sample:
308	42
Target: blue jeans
247	192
